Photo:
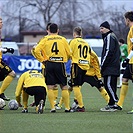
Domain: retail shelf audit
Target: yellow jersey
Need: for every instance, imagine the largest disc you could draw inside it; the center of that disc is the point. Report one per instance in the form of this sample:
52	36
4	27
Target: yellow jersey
80	53
94	66
130	42
0	51
28	79
56	49
42	52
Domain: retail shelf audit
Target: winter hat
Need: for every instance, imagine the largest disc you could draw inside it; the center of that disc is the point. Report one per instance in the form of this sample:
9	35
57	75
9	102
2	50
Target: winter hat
105	25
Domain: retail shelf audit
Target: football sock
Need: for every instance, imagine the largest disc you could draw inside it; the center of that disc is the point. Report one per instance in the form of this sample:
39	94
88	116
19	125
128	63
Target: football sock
55	91
65	98
6	83
61	100
104	94
25	99
51	98
123	93
69	91
78	96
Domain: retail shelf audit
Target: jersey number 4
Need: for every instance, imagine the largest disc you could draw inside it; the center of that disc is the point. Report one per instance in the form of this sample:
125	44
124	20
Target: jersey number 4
55	48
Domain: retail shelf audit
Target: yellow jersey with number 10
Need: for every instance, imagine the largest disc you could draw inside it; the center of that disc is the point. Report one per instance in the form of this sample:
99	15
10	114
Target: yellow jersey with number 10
80	53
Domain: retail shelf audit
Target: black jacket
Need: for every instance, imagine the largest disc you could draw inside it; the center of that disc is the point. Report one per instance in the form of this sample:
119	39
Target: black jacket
110	58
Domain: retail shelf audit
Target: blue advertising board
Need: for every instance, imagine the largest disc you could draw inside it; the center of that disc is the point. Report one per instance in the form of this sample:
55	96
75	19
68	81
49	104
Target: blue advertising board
21	64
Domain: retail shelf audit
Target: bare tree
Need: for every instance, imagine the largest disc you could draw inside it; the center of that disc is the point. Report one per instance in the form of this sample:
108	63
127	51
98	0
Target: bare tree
68	15
118	23
32	13
35	14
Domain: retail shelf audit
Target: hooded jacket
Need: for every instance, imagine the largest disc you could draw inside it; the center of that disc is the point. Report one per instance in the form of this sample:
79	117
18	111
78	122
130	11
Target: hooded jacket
110	58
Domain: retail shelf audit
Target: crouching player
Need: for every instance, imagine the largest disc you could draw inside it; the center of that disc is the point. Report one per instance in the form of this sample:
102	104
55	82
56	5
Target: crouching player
32	83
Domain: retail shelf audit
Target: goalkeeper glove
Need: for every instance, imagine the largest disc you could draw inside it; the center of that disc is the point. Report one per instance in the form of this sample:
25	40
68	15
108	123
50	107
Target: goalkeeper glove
70	83
125	62
10	50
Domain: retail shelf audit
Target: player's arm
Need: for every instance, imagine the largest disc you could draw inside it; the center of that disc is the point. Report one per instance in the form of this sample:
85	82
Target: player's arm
19	88
89	53
38	51
68	50
97	71
96	64
110	49
126	61
33	51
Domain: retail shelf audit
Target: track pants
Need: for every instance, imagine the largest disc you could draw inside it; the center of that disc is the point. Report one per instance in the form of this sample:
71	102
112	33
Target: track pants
110	83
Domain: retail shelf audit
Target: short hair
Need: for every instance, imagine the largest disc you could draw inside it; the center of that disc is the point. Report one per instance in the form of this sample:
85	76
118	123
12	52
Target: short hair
78	30
129	15
122	41
47	27
53	28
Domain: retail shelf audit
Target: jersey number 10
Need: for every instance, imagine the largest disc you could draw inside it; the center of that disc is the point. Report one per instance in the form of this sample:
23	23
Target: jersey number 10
83	51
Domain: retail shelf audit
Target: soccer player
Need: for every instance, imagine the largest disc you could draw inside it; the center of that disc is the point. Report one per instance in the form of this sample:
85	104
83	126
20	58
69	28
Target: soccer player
6	73
58	52
55	90
32	83
128	62
80	64
124	54
92	77
110	64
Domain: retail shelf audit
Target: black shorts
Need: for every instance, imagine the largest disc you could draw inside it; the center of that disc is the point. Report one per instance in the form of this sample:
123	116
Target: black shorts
128	73
77	75
36	90
92	80
55	73
4	70
39	93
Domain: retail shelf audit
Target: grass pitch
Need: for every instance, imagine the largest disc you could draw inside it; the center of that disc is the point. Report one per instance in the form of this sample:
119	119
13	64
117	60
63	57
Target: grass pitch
91	121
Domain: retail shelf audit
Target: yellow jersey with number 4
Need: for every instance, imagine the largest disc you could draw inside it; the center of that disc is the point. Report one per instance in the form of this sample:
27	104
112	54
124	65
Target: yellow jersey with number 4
56	49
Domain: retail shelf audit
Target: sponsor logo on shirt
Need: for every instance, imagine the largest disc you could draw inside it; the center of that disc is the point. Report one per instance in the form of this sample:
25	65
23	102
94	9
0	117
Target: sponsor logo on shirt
83	62
56	58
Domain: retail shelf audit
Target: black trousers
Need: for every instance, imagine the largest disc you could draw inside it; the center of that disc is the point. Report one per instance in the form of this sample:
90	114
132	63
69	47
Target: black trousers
39	93
110	83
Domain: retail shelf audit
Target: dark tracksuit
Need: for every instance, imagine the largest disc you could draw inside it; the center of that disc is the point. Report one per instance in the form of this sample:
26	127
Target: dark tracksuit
110	65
